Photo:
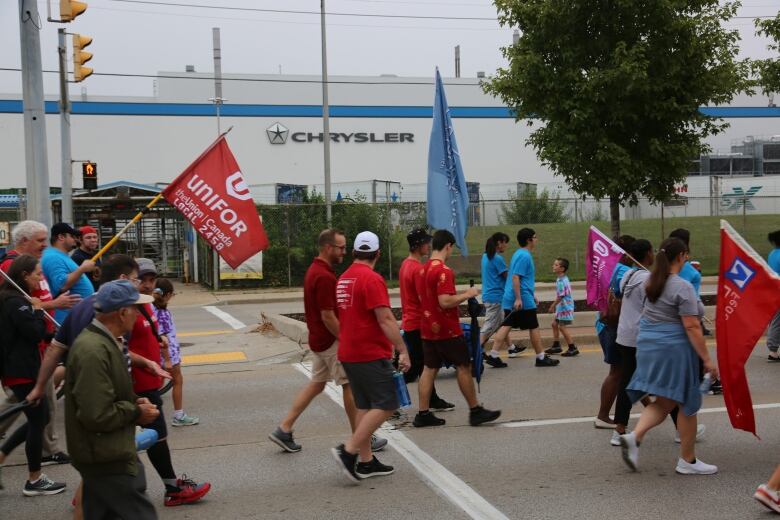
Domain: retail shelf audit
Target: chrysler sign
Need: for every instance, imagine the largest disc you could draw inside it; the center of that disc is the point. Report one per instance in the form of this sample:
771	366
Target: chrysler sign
278	134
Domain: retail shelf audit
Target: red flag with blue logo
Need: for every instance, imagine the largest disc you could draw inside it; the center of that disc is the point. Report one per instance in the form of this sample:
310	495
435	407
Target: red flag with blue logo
748	298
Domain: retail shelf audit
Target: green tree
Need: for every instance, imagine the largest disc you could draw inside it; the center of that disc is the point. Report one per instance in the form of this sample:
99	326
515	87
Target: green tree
617	86
768	71
528	207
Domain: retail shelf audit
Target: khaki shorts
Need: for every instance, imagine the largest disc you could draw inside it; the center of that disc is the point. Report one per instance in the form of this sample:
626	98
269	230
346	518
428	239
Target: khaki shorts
327	367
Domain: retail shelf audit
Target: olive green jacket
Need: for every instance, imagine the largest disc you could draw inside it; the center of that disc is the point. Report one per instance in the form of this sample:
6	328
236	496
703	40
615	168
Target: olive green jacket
100	406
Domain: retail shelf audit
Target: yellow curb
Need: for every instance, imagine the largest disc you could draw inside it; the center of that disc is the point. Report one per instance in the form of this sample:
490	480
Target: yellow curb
217	357
203	333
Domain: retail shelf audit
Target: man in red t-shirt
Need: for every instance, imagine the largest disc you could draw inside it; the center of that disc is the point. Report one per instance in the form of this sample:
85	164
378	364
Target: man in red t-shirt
145	342
31	238
411	286
442	335
319	303
368	333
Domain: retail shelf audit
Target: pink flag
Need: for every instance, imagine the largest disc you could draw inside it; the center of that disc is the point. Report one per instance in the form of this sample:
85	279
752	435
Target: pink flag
603	255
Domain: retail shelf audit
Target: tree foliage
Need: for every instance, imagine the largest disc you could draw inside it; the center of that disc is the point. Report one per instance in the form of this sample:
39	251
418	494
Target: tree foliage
768	71
617	86
528	207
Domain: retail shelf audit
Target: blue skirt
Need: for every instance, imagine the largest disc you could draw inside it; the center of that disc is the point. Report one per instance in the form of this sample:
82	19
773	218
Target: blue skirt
666	366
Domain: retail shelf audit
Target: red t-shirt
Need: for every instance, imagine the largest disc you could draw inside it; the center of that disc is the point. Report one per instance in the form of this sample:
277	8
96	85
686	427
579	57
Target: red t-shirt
438	323
144	343
319	294
42	293
409	280
359	291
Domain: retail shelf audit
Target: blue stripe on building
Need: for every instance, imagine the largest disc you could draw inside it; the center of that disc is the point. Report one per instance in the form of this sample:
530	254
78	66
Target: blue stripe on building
98	108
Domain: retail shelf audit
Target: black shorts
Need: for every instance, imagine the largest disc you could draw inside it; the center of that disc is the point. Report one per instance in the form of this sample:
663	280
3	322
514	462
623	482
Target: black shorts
452	351
158	424
372	384
609	345
523	319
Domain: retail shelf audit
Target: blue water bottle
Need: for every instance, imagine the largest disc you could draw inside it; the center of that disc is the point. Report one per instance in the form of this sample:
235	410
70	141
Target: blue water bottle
145	439
404	401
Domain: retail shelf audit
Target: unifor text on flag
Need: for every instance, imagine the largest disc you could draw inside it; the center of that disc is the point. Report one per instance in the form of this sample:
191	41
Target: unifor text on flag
603	255
748	298
214	197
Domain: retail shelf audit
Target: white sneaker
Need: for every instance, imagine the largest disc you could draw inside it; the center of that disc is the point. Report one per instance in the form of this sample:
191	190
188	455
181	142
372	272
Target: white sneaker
615	440
768	497
629	450
697	468
700	429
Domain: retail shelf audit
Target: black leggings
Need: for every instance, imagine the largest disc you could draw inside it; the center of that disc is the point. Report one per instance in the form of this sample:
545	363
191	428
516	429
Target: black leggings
413	340
31	432
628	366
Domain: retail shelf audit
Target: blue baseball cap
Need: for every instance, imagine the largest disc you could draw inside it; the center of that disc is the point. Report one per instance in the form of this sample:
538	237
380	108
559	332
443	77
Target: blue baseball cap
114	295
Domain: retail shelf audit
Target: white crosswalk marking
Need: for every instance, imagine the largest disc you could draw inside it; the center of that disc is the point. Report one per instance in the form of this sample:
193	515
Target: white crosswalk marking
224	316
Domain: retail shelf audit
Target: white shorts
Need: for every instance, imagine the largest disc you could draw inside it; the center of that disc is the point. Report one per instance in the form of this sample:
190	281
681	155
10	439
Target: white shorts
494	315
327	367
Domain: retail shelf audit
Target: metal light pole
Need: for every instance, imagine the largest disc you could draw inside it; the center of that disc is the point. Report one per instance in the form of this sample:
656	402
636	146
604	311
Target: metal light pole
36	162
325	117
66	166
217	102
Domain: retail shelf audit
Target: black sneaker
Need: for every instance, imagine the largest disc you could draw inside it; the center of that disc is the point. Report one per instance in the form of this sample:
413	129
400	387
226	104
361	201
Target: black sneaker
347	462
773	359
43	486
479	415
547	362
440	405
716	388
421	420
495	362
573	351
555	349
373	469
58	458
516	350
284	440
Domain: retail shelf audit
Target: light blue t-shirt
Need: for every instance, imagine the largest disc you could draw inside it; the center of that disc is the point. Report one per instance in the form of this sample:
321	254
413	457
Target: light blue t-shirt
522	265
565	309
56	267
492	281
691	275
774	260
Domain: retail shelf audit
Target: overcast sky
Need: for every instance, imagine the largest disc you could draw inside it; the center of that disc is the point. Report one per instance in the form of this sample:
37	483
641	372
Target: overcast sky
144	39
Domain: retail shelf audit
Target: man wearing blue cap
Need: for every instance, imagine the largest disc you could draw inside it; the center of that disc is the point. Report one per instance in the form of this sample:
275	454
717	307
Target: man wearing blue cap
101	409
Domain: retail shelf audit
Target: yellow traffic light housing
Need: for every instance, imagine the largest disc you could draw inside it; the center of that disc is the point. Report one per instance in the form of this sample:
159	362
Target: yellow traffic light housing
70	9
80	57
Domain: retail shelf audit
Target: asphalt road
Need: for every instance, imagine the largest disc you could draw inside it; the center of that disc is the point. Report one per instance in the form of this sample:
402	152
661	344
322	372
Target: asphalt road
542	460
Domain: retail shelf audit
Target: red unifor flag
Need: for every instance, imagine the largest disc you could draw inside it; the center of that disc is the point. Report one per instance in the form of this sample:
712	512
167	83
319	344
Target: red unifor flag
748	298
212	194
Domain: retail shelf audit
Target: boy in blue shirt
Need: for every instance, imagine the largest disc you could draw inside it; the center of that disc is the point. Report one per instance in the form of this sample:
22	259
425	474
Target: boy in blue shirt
563	307
519	302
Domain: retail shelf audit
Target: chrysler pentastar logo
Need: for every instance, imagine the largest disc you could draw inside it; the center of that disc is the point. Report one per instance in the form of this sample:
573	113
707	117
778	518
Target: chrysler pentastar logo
277	133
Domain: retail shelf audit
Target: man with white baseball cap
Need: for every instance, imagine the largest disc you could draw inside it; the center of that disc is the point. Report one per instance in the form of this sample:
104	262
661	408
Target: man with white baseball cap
368	332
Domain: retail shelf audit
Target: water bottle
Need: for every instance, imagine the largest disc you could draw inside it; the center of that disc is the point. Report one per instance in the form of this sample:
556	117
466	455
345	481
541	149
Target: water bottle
404	401
706	383
145	439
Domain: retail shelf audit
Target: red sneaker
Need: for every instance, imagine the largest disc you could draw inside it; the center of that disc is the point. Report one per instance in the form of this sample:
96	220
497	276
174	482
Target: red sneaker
187	492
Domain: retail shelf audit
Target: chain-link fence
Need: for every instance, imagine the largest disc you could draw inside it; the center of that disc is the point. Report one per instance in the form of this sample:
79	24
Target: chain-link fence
561	226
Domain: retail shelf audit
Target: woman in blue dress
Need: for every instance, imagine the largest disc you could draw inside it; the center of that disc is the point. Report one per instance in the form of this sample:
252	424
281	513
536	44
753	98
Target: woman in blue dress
669	341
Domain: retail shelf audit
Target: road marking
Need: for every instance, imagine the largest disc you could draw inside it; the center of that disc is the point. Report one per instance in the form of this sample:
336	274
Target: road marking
435	475
224	316
203	333
575	420
214	358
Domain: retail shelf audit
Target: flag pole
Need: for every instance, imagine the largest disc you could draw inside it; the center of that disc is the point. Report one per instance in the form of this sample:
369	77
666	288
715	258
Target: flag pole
148	207
28	297
138	217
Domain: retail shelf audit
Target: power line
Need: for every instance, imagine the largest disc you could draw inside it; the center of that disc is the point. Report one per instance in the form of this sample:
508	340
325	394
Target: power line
255	80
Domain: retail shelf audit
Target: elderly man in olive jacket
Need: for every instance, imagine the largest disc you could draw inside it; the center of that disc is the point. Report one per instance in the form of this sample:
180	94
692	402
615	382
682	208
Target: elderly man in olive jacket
101	410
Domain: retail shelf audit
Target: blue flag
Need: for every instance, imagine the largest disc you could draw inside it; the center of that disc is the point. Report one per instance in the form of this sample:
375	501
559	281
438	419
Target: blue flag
447	196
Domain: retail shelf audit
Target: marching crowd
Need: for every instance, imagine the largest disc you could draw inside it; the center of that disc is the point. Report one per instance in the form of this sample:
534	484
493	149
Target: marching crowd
109	325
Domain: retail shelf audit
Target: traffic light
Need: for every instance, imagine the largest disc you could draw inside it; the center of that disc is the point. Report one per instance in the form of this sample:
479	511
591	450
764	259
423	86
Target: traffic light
69	9
89	175
80	57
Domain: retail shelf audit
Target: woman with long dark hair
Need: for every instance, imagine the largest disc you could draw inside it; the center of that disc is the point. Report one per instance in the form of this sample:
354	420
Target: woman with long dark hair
22	335
494	271
669	340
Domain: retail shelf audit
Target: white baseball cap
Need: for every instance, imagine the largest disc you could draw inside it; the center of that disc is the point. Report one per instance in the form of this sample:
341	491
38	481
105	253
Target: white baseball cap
366	242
